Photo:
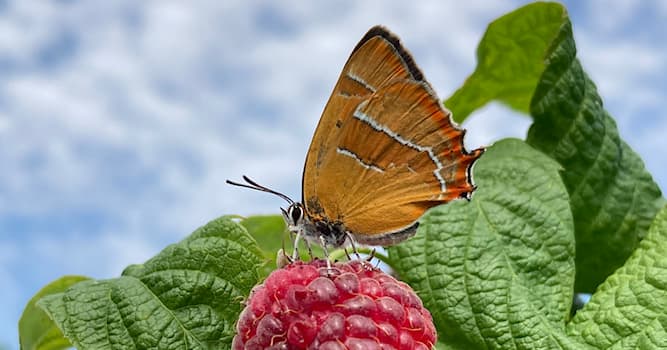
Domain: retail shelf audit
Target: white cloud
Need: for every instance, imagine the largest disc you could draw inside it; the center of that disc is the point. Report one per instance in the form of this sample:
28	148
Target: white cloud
494	122
11	293
104	255
612	15
618	65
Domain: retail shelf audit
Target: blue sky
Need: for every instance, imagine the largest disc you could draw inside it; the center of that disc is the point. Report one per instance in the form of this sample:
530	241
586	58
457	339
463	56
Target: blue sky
120	121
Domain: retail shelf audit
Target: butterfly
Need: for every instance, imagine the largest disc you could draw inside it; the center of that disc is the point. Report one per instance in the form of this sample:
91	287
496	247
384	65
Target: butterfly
384	152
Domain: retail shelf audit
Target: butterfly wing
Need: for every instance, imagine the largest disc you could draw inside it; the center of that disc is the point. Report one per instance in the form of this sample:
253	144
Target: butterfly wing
385	150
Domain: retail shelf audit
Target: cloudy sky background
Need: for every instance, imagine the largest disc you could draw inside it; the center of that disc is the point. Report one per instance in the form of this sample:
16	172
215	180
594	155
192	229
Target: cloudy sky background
121	120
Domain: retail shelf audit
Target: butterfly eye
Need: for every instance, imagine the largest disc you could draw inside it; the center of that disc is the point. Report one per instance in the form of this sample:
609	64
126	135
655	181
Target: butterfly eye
296	213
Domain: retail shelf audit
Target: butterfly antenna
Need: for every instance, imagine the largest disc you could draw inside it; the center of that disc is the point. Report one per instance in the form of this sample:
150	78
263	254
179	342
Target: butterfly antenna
251	184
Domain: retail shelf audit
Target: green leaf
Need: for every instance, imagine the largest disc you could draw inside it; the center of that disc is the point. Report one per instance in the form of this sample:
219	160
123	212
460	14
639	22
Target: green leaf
628	309
497	272
613	197
36	330
529	55
269	232
510	59
187	297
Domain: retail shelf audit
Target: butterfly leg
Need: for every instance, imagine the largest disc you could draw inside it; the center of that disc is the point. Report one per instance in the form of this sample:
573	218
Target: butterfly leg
323	242
354	247
349	258
371	255
282	259
295	252
310	249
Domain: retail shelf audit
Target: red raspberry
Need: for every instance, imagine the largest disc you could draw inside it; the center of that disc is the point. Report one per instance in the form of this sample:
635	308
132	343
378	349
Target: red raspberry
354	306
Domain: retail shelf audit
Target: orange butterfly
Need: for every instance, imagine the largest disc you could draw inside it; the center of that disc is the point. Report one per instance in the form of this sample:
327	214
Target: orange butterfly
384	152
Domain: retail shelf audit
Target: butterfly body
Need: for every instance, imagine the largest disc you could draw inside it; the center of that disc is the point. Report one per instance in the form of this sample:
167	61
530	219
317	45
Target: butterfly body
315	230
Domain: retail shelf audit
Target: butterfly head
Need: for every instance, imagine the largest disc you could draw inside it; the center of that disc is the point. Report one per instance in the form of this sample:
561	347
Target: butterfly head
294	216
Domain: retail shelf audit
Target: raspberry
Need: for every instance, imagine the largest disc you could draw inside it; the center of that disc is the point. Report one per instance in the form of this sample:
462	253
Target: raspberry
352	306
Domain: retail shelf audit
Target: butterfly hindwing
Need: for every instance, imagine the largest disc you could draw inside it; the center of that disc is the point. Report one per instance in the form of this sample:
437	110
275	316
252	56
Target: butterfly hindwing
385	150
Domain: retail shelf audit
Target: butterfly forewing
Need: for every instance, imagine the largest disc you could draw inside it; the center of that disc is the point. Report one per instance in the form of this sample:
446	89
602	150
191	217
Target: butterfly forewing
385	149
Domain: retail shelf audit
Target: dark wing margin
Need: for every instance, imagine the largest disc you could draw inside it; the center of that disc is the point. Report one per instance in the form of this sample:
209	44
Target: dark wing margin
388	238
383	32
